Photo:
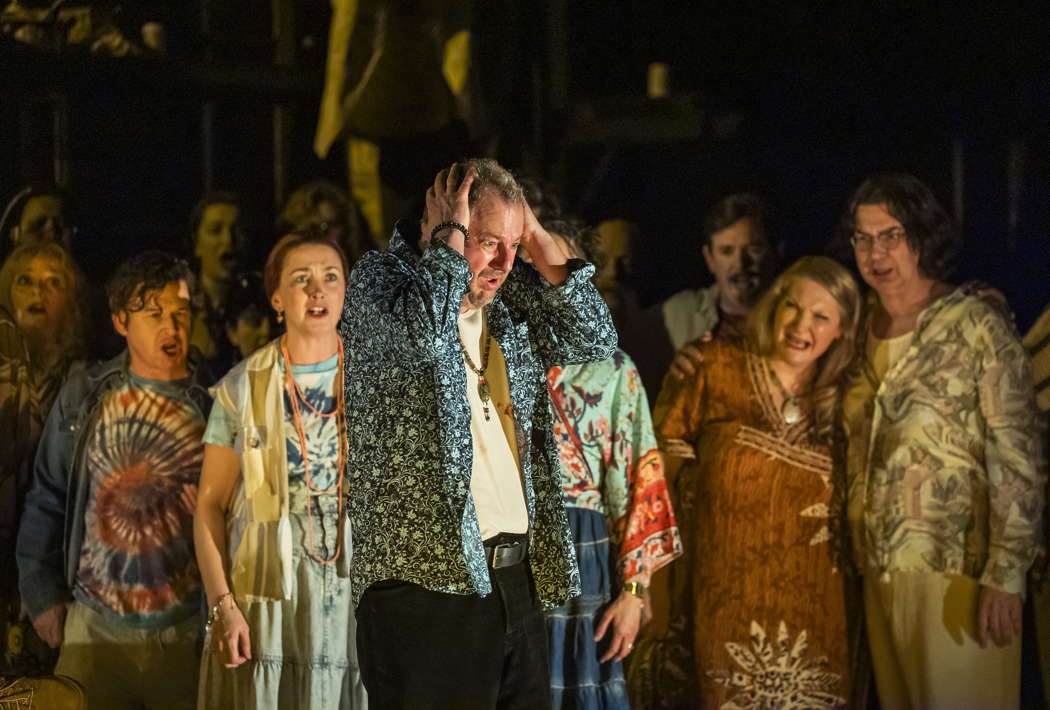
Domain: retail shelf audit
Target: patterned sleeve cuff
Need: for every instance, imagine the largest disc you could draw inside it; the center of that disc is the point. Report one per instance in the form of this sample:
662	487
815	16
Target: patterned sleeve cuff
679	448
1004	578
580	272
443	257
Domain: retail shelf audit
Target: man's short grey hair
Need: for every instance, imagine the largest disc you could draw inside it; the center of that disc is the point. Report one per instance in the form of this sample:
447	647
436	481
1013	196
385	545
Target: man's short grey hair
491	178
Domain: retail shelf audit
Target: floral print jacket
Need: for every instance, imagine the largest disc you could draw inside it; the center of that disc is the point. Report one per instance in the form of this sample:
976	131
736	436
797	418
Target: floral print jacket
408	420
946	470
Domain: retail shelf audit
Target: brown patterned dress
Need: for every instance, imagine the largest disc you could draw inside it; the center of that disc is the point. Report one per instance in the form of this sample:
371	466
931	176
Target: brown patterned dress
757	617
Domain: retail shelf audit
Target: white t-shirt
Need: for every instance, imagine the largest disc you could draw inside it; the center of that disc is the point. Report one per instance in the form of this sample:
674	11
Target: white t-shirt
495	480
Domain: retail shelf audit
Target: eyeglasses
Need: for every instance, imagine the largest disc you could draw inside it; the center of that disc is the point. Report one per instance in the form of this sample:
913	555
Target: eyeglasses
888	239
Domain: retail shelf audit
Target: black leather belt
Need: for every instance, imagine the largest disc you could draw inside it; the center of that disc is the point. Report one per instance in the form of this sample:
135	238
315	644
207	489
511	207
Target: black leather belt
505	550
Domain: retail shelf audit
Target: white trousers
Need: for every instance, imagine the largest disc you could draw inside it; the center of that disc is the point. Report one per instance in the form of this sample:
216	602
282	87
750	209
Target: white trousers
922	629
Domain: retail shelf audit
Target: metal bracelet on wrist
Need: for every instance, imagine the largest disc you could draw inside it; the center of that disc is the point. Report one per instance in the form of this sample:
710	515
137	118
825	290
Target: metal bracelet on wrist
213	612
636	589
450	225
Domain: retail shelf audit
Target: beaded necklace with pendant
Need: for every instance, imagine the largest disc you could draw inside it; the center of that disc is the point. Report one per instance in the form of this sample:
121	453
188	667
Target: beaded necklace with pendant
483	385
791	407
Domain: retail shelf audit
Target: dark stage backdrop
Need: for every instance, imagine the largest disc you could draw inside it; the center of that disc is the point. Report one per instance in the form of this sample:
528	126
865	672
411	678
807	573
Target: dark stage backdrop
796	100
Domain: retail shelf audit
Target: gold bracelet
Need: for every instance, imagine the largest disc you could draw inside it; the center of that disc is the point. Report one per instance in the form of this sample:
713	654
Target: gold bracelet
636	589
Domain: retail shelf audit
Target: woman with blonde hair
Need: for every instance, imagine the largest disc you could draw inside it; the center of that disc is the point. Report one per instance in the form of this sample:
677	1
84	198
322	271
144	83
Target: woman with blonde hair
757	611
42	292
42	333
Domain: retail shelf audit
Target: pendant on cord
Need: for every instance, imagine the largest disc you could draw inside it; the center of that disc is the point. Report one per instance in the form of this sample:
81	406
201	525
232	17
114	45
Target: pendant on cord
485	394
791	410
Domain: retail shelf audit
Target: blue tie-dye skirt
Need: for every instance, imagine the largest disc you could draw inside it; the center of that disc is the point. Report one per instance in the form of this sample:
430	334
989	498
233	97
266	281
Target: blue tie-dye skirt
577	679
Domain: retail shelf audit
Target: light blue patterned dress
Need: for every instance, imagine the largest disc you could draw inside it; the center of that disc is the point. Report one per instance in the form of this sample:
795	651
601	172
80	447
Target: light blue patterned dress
304	651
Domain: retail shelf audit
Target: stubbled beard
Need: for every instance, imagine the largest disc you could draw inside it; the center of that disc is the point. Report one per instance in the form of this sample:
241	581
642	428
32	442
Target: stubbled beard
478	300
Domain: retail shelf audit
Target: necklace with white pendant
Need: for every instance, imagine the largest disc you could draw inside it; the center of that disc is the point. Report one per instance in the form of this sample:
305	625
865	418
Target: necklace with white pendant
791	410
791	407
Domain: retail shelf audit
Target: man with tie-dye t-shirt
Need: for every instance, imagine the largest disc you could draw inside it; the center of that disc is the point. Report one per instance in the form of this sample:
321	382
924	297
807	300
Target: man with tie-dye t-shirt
105	548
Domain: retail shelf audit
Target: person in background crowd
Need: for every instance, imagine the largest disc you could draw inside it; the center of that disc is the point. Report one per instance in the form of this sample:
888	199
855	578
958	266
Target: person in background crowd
543	200
43	291
105	549
326	206
639	328
271	533
37	213
619	512
21	650
1037	343
749	442
460	532
216	244
738	252
41	297
945	462
249	320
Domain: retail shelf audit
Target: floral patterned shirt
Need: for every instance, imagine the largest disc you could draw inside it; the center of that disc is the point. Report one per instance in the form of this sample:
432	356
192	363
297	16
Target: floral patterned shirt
408	419
610	462
945	464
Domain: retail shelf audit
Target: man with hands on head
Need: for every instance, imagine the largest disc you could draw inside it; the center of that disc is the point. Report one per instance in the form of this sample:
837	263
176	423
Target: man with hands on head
460	536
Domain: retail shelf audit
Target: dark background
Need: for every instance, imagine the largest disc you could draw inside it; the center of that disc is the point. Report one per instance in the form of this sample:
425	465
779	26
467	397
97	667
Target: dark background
797	100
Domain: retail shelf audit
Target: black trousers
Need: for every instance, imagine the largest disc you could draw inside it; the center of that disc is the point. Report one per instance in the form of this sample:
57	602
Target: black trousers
423	649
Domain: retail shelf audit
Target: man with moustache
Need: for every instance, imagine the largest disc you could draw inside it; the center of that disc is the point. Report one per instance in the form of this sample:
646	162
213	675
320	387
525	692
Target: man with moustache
454	486
105	547
736	249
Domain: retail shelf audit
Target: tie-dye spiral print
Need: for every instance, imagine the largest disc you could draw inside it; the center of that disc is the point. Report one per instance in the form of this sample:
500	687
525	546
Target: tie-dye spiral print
317	385
144	459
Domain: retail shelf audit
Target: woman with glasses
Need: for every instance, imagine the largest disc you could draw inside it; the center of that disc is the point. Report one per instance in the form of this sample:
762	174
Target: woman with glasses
944	464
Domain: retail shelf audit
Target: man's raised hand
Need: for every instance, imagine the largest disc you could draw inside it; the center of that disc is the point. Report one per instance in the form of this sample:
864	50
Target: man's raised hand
447	201
547	257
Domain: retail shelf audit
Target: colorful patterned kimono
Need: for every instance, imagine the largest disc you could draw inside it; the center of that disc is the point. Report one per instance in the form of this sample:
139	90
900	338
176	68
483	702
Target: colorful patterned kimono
614	487
757	616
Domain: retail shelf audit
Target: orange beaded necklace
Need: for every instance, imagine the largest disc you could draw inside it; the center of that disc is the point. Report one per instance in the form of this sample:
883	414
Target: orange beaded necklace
295	394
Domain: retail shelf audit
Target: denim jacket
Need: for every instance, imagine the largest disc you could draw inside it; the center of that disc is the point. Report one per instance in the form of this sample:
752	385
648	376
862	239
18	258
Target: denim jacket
408	419
51	533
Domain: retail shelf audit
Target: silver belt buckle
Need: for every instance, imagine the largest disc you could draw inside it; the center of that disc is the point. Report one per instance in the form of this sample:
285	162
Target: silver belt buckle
505	555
